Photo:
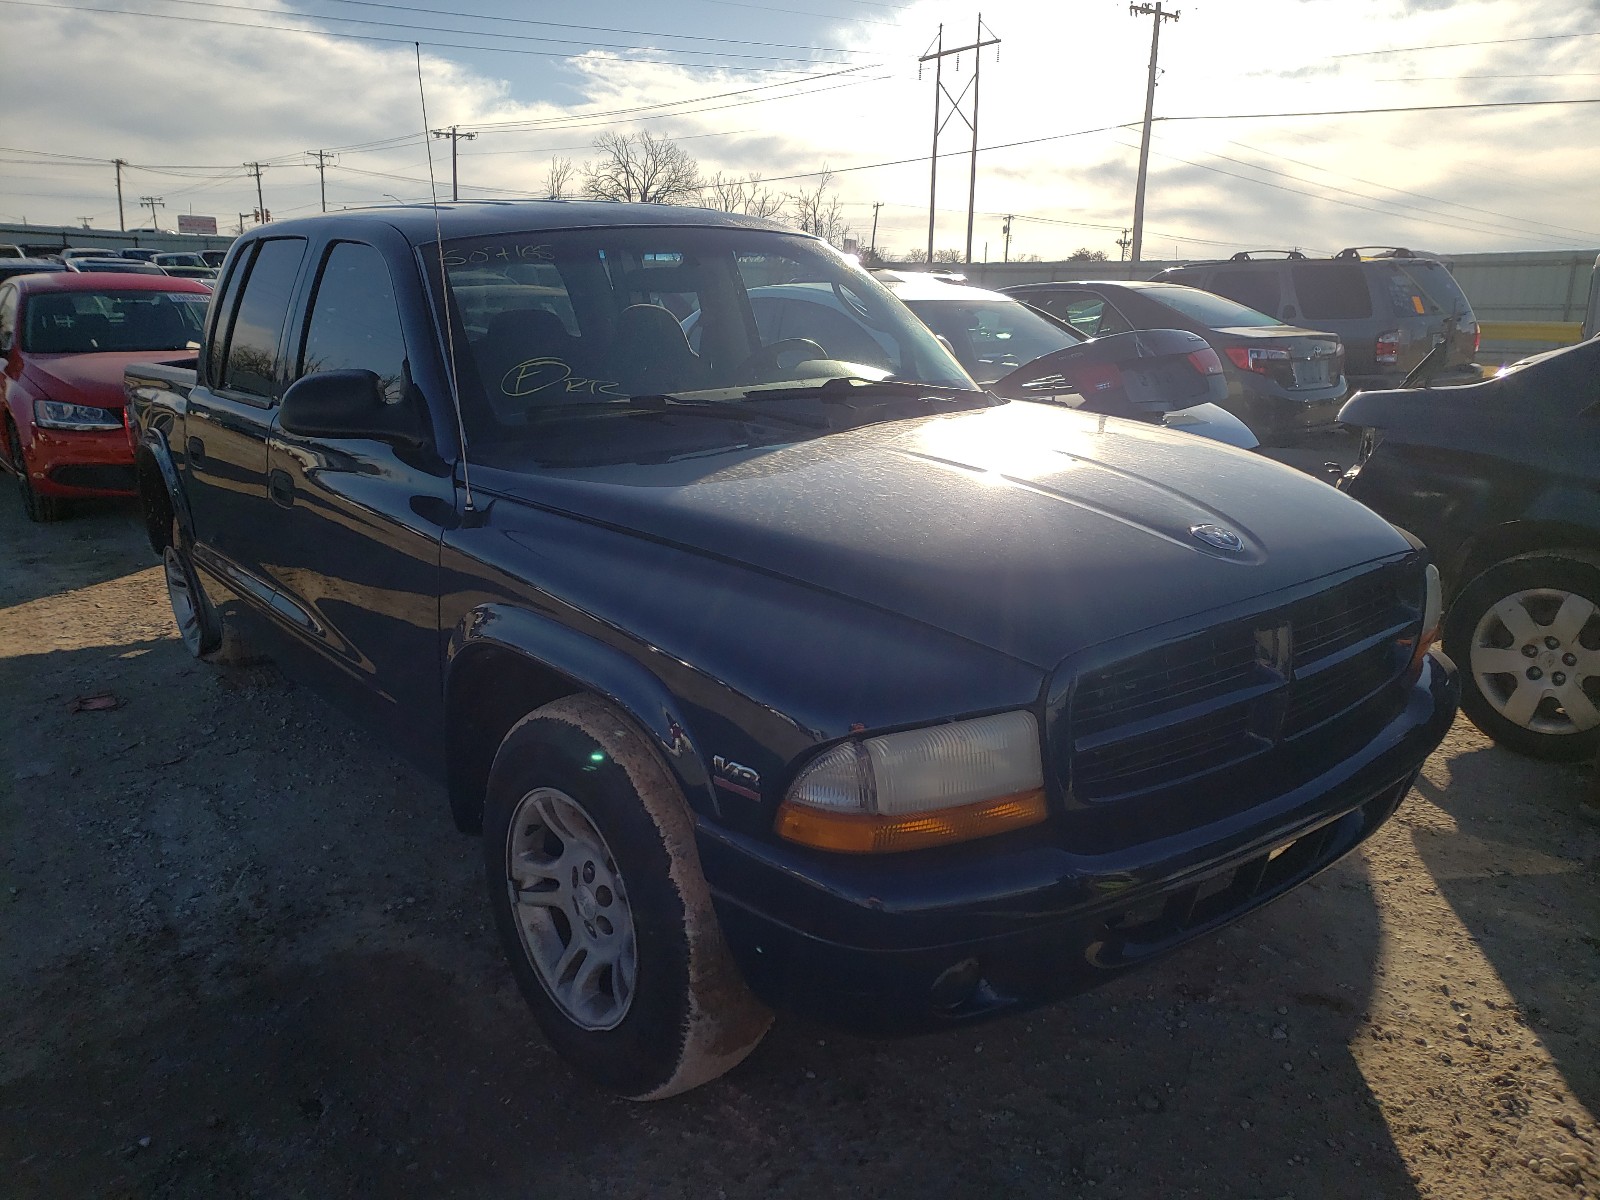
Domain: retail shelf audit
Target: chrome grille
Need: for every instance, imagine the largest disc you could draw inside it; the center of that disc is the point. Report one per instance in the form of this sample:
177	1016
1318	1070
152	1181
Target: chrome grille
1176	712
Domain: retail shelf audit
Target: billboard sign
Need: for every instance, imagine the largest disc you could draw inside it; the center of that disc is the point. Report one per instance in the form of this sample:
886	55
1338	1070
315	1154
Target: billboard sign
189	223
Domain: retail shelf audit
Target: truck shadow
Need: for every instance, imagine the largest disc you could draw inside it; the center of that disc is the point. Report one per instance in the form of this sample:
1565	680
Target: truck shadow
249	956
1525	886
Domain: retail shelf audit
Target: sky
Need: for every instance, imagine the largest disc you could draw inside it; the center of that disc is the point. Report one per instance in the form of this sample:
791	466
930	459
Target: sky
187	91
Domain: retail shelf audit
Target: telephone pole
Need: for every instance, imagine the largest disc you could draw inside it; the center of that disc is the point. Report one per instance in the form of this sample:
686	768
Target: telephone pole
262	215
1123	243
1005	232
122	222
323	157
937	54
1154	11
877	204
153	203
455	135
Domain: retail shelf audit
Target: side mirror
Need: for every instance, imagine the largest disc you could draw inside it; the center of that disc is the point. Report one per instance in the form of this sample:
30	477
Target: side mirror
346	404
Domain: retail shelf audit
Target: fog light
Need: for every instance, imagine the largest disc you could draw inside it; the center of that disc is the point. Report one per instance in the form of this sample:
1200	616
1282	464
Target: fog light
955	985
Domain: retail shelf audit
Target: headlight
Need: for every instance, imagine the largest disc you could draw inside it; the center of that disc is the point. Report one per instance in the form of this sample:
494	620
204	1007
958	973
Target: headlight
1432	614
52	414
924	787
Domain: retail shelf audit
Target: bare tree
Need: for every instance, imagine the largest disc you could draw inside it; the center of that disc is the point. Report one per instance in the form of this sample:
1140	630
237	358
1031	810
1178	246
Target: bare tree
747	196
949	256
641	167
558	179
1084	254
818	211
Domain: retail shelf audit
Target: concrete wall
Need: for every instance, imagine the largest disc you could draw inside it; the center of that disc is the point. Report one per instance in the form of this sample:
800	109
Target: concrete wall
58	237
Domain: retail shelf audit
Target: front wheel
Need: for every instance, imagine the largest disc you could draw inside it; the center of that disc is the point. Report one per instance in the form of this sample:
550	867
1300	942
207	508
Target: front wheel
37	508
605	917
1526	635
204	632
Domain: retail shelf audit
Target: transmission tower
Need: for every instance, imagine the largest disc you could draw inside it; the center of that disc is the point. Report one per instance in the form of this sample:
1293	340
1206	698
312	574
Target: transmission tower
936	55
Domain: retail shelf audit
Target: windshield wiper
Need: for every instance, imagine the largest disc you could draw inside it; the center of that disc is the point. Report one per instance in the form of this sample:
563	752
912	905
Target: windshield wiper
729	410
844	388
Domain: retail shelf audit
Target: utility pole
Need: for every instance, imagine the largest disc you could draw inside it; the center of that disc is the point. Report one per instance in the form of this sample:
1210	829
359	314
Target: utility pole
455	135
1005	232
323	157
262	215
242	216
122	222
85	221
1155	11
1123	243
877	204
937	55
152	203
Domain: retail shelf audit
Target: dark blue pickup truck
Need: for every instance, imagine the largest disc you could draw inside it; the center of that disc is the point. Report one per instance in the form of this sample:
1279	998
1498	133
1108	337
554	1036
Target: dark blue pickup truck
772	678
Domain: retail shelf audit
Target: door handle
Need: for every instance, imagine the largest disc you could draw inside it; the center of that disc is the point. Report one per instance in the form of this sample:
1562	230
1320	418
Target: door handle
281	488
196	449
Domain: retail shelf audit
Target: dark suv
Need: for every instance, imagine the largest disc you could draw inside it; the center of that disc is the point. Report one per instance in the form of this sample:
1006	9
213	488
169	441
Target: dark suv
1388	307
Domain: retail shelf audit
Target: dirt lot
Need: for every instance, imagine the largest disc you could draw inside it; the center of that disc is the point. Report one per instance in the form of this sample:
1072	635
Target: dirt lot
243	953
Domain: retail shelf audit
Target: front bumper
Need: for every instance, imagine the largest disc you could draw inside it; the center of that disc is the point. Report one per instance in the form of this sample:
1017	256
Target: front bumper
908	944
81	462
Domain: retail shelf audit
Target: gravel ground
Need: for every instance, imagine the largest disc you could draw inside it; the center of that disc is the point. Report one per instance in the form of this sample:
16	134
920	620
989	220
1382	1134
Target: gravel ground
243	953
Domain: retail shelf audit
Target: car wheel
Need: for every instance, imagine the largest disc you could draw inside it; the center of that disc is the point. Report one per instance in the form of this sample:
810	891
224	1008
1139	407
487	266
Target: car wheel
205	634
37	508
597	893
1526	636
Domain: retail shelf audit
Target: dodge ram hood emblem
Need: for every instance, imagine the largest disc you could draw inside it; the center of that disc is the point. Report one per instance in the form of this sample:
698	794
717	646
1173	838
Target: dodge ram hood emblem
1217	537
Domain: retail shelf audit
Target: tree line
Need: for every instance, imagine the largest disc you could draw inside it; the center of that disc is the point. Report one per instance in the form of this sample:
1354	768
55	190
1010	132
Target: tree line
645	169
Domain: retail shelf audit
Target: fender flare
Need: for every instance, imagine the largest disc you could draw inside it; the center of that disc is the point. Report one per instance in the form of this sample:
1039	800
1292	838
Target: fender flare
564	661
154	444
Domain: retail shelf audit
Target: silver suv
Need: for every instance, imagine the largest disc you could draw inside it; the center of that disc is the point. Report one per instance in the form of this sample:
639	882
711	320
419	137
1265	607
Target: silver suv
1389	305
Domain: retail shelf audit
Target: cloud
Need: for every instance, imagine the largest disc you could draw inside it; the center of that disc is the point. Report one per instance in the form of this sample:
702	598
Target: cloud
187	102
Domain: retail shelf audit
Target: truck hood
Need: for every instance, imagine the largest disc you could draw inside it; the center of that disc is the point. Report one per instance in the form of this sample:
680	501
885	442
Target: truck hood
1027	529
94	379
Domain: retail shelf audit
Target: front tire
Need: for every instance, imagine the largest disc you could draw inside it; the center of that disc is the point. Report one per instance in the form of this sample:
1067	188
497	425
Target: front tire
204	632
602	910
1526	636
39	509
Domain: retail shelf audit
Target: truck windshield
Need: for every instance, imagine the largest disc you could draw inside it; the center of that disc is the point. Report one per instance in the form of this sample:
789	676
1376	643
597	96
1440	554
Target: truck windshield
91	322
564	325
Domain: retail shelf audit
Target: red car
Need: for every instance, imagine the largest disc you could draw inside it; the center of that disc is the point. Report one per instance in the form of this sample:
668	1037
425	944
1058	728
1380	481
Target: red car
65	338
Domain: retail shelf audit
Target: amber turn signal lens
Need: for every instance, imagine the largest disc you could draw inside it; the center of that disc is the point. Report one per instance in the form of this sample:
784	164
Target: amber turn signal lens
879	833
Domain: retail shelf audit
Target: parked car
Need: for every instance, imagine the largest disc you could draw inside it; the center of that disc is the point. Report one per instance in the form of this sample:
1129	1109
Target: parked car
68	253
66	338
768	678
213	258
1167	377
139	253
183	258
28	266
7	250
1389	306
1283	381
204	274
1500	480
119	266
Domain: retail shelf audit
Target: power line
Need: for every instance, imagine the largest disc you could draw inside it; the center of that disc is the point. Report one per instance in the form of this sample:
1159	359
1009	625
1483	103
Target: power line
1362	112
1434	218
372	37
1548	37
683	37
521	37
1417	195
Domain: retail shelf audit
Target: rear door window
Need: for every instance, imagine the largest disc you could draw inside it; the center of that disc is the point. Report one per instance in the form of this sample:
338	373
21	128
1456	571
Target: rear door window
354	322
1253	289
1425	288
252	355
1331	291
